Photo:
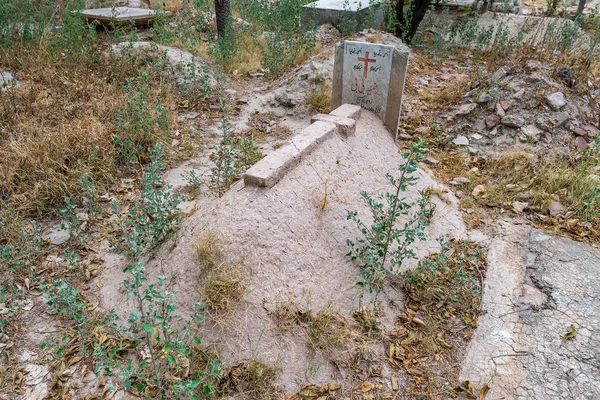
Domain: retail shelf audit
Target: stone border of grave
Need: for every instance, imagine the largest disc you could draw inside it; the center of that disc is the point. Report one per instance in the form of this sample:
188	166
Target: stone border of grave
268	171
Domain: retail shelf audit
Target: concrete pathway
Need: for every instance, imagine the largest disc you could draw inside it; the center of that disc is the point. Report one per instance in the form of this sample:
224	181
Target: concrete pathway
537	287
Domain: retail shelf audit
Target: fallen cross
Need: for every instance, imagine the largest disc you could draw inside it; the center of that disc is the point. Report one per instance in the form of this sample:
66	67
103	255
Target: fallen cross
120	15
372	76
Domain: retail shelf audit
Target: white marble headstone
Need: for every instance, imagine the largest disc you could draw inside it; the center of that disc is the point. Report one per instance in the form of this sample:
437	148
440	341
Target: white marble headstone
372	76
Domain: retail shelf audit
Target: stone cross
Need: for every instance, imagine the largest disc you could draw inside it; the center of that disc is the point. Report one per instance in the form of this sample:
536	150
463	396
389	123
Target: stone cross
372	76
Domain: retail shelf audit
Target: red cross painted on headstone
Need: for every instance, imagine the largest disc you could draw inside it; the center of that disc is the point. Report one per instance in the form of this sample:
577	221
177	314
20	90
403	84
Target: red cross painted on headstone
366	60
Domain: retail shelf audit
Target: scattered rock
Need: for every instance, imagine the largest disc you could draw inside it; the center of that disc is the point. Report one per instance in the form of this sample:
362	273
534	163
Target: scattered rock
519	94
423	129
491	120
591	130
505	105
581	143
7	80
431	161
476	136
513	121
461	140
556	100
525	195
478	190
57	235
404	136
484	98
498	75
531	132
466	109
500	110
520	206
460	180
555	208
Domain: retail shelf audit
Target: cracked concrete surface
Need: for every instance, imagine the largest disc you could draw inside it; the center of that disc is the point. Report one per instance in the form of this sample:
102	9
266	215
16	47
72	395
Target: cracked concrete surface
537	286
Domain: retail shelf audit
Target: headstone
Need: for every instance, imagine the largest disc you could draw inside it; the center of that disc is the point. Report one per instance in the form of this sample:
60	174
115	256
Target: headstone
372	76
363	13
120	15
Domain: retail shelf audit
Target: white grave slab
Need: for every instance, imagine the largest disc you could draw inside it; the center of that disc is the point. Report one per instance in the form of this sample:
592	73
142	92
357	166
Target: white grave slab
334	11
372	76
139	16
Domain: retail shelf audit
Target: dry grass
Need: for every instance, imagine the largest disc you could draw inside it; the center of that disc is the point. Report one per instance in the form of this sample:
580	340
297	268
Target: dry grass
61	124
52	130
443	298
318	98
221	287
253	380
508	175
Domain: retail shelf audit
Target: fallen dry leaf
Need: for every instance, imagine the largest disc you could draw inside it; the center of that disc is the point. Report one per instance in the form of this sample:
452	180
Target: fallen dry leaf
571	333
364	387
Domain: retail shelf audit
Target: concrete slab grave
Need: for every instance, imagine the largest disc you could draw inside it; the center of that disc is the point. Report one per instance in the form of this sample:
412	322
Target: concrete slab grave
364	12
372	76
120	15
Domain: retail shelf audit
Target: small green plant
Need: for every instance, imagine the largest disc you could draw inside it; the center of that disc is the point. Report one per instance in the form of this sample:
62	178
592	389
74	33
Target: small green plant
142	123
153	217
194	180
230	158
383	242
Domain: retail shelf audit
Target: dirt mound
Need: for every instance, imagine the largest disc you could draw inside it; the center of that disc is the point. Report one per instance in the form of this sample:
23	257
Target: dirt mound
290	245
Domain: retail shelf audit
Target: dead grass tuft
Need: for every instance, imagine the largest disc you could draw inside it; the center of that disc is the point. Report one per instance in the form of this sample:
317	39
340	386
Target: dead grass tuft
221	286
318	98
253	380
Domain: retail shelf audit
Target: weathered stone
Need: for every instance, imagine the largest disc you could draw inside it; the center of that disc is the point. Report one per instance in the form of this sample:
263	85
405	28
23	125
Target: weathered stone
57	234
520	206
7	80
590	129
581	143
372	76
347	111
484	98
513	121
431	161
346	126
578	131
556	100
461	140
519	94
492	120
466	109
500	110
478	190
476	136
555	208
531	132
498	75
460	180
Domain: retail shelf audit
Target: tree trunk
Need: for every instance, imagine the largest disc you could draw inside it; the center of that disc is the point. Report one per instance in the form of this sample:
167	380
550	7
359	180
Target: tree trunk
580	8
223	12
418	8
